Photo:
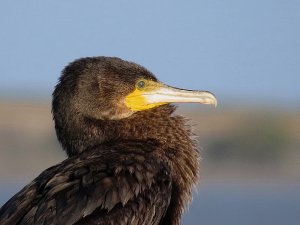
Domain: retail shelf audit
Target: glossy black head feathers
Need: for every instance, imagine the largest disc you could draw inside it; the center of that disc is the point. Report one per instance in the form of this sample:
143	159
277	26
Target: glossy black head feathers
92	89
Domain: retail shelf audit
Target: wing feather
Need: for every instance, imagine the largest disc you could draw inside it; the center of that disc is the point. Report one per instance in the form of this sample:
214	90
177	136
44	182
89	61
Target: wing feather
115	189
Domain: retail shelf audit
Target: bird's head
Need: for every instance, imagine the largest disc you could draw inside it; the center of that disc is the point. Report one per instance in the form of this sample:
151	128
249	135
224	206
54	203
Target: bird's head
104	88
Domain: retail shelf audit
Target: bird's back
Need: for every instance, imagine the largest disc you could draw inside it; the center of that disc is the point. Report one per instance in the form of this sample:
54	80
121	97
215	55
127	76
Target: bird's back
120	184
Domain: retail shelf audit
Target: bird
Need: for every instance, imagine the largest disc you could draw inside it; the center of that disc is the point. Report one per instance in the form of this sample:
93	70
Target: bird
130	158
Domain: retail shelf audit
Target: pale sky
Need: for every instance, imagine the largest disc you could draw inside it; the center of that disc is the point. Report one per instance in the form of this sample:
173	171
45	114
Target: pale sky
244	50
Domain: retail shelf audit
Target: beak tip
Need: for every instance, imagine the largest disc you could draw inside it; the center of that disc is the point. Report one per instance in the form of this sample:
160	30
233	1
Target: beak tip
216	103
212	100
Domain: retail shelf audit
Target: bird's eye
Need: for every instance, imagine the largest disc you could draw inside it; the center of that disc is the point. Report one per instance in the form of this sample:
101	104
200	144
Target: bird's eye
141	84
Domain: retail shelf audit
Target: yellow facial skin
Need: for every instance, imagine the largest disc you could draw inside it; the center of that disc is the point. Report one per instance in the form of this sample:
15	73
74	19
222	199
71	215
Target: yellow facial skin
137	100
148	94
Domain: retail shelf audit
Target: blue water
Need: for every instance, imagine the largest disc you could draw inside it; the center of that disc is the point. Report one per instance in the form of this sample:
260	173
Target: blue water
245	204
230	204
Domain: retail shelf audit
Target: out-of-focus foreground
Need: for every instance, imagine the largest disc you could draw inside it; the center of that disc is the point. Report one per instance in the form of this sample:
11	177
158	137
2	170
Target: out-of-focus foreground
240	146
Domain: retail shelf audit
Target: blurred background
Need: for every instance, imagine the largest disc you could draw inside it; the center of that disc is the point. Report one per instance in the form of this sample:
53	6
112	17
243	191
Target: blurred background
246	52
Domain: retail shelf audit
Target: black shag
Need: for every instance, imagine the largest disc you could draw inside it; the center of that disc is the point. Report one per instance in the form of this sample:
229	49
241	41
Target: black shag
131	160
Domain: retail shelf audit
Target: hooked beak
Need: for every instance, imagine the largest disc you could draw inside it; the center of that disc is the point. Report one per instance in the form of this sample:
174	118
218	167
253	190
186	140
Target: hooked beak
154	94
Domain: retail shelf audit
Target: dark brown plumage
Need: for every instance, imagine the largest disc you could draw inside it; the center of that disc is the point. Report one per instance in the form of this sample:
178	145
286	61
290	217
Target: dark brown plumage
124	166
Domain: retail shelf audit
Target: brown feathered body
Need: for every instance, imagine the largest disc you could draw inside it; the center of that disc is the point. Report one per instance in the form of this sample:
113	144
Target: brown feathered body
140	169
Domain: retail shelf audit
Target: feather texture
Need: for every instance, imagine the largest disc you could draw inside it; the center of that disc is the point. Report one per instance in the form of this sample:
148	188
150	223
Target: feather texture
121	187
